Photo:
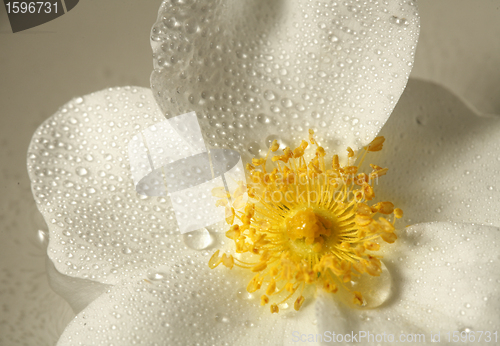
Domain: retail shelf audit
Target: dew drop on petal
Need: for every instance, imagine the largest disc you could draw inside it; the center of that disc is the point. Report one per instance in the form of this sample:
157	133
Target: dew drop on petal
156	276
81	171
198	240
244	294
374	289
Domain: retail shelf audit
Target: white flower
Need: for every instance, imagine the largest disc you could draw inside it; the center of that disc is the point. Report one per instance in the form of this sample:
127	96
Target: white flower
108	239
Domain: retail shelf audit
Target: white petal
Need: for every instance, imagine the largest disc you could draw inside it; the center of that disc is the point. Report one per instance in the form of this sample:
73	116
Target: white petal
459	47
443	159
30	312
446	279
100	228
77	292
259	70
190	305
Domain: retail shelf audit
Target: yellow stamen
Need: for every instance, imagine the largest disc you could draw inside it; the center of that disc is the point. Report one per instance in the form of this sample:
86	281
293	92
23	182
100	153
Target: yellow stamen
306	224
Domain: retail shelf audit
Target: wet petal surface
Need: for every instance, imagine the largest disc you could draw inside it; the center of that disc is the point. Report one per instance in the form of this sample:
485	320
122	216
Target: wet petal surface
260	70
447	277
100	228
443	159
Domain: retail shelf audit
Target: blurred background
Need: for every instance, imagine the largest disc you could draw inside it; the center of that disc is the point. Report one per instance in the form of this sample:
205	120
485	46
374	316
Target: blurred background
100	44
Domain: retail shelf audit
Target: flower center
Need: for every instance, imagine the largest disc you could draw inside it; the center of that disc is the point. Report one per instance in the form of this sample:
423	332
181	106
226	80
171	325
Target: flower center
306	224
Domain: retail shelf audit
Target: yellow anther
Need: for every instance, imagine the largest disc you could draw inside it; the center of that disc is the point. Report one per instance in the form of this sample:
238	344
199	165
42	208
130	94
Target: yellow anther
271	288
361	179
233	232
255	283
320	151
378	173
350	152
298	303
335	163
389	237
398	213
358	298
259	267
371	246
289	287
214	260
363	209
368	192
359	250
350	170
275	308
298	152
275	146
228	261
386	225
230	215
360	267
376	144
264	300
258	162
363	220
384	207
373	266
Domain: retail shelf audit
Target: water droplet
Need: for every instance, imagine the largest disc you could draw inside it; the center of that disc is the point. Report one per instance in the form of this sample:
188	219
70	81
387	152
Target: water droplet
221	318
374	289
43	236
269	95
263	119
254	148
81	171
287	103
156	276
198	240
333	38
249	324
244	294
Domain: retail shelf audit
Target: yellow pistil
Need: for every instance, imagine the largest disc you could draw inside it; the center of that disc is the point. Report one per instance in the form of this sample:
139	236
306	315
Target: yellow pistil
308	223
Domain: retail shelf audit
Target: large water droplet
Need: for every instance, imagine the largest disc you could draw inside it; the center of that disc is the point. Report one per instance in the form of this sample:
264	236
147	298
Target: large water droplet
269	95
244	294
198	240
254	148
156	276
374	289
81	171
221	318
